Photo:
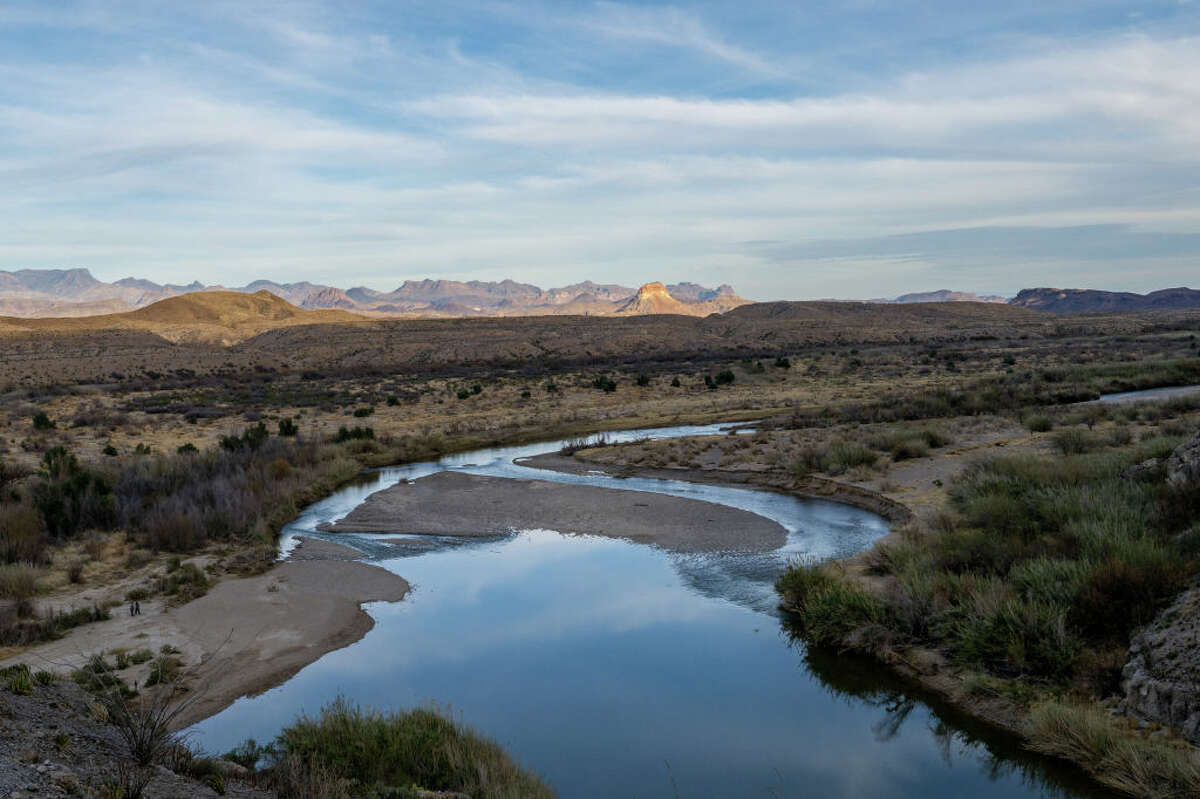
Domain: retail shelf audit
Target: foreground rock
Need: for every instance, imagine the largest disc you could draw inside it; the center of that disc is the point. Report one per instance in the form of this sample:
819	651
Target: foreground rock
1162	676
457	504
52	745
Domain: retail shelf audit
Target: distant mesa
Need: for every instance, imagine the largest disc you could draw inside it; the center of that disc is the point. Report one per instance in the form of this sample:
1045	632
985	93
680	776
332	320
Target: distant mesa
1095	301
942	295
41	293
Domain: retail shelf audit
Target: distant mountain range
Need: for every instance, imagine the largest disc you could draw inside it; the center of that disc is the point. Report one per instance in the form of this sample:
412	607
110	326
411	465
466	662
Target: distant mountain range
1093	301
33	293
943	295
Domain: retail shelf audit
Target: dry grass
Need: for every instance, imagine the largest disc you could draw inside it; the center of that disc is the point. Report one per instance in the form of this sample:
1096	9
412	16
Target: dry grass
1114	754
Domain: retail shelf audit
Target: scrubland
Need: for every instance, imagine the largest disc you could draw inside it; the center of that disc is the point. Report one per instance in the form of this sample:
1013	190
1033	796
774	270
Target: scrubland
1027	565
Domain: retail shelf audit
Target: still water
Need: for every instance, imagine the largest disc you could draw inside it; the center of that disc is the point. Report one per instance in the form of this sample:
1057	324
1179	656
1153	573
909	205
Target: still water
621	670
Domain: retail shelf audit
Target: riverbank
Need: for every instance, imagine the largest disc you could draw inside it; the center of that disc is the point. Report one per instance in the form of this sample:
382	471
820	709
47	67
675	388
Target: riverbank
246	635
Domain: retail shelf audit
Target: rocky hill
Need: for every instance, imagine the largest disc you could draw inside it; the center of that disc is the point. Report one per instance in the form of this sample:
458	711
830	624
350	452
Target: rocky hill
215	317
1095	301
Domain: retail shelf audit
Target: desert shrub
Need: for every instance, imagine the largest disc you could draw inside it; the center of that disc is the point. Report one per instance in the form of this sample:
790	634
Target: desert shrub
783	363
23	537
75	571
1119	594
43	422
289	429
71	498
364	412
393	400
251	438
378	752
604	383
643	380
184	584
1073	441
1017	637
186	449
18	582
165	669
353	434
845	455
463	394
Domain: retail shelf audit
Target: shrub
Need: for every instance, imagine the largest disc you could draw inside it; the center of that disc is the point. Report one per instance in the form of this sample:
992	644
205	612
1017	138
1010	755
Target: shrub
18	582
354	434
43	422
393	401
75	571
604	383
675	382
71	498
364	412
165	669
828	608
1038	423
1075	442
288	428
110	451
23	537
724	377
186	449
846	455
377	751
783	363
463	394
643	380
251	438
1118	595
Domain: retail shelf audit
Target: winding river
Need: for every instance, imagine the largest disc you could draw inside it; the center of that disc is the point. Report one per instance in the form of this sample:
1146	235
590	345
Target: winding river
622	670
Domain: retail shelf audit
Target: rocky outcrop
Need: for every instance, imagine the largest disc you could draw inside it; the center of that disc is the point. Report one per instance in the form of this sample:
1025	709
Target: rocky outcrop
1183	466
1162	675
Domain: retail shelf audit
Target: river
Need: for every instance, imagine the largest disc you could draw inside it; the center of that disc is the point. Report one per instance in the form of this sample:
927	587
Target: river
622	670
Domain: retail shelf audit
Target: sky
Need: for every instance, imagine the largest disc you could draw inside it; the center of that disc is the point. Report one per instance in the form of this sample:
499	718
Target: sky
796	150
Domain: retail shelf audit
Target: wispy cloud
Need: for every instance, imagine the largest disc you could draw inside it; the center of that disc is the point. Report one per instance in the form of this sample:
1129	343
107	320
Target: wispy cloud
555	142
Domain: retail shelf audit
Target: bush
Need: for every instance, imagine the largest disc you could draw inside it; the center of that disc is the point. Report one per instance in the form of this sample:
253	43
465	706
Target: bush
1038	423
846	455
1075	442
604	383
783	363
43	422
251	439
828	607
643	380
70	498
186	449
288	428
368	410
23	537
354	434
378	752
18	582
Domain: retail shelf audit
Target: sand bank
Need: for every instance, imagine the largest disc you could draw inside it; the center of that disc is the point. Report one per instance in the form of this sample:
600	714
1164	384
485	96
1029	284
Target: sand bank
458	504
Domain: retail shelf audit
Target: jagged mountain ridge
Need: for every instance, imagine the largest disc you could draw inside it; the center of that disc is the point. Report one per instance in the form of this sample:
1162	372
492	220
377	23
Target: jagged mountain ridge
33	293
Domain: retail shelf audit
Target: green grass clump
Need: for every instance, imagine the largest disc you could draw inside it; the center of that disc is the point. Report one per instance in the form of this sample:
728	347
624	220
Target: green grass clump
18	679
390	752
829	607
846	455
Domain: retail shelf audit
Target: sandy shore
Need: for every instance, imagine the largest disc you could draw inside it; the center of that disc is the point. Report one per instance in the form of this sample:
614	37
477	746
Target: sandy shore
250	633
457	504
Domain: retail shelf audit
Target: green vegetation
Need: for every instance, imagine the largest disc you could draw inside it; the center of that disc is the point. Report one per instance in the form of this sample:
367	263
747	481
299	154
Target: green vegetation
43	422
1045	566
364	412
288	428
387	754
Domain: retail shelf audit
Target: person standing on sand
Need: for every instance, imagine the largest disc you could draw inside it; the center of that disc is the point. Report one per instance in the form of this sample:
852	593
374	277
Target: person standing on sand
131	608
137	608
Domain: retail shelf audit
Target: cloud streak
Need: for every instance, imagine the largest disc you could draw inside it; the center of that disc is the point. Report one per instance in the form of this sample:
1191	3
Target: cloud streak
485	140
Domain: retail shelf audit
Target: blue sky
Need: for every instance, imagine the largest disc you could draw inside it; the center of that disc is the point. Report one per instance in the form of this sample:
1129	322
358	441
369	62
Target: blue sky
795	150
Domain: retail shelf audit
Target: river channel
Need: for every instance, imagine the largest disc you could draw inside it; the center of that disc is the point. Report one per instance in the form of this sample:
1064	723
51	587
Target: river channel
617	669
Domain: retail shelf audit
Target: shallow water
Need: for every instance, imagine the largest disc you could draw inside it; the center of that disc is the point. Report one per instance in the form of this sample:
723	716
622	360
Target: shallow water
616	669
